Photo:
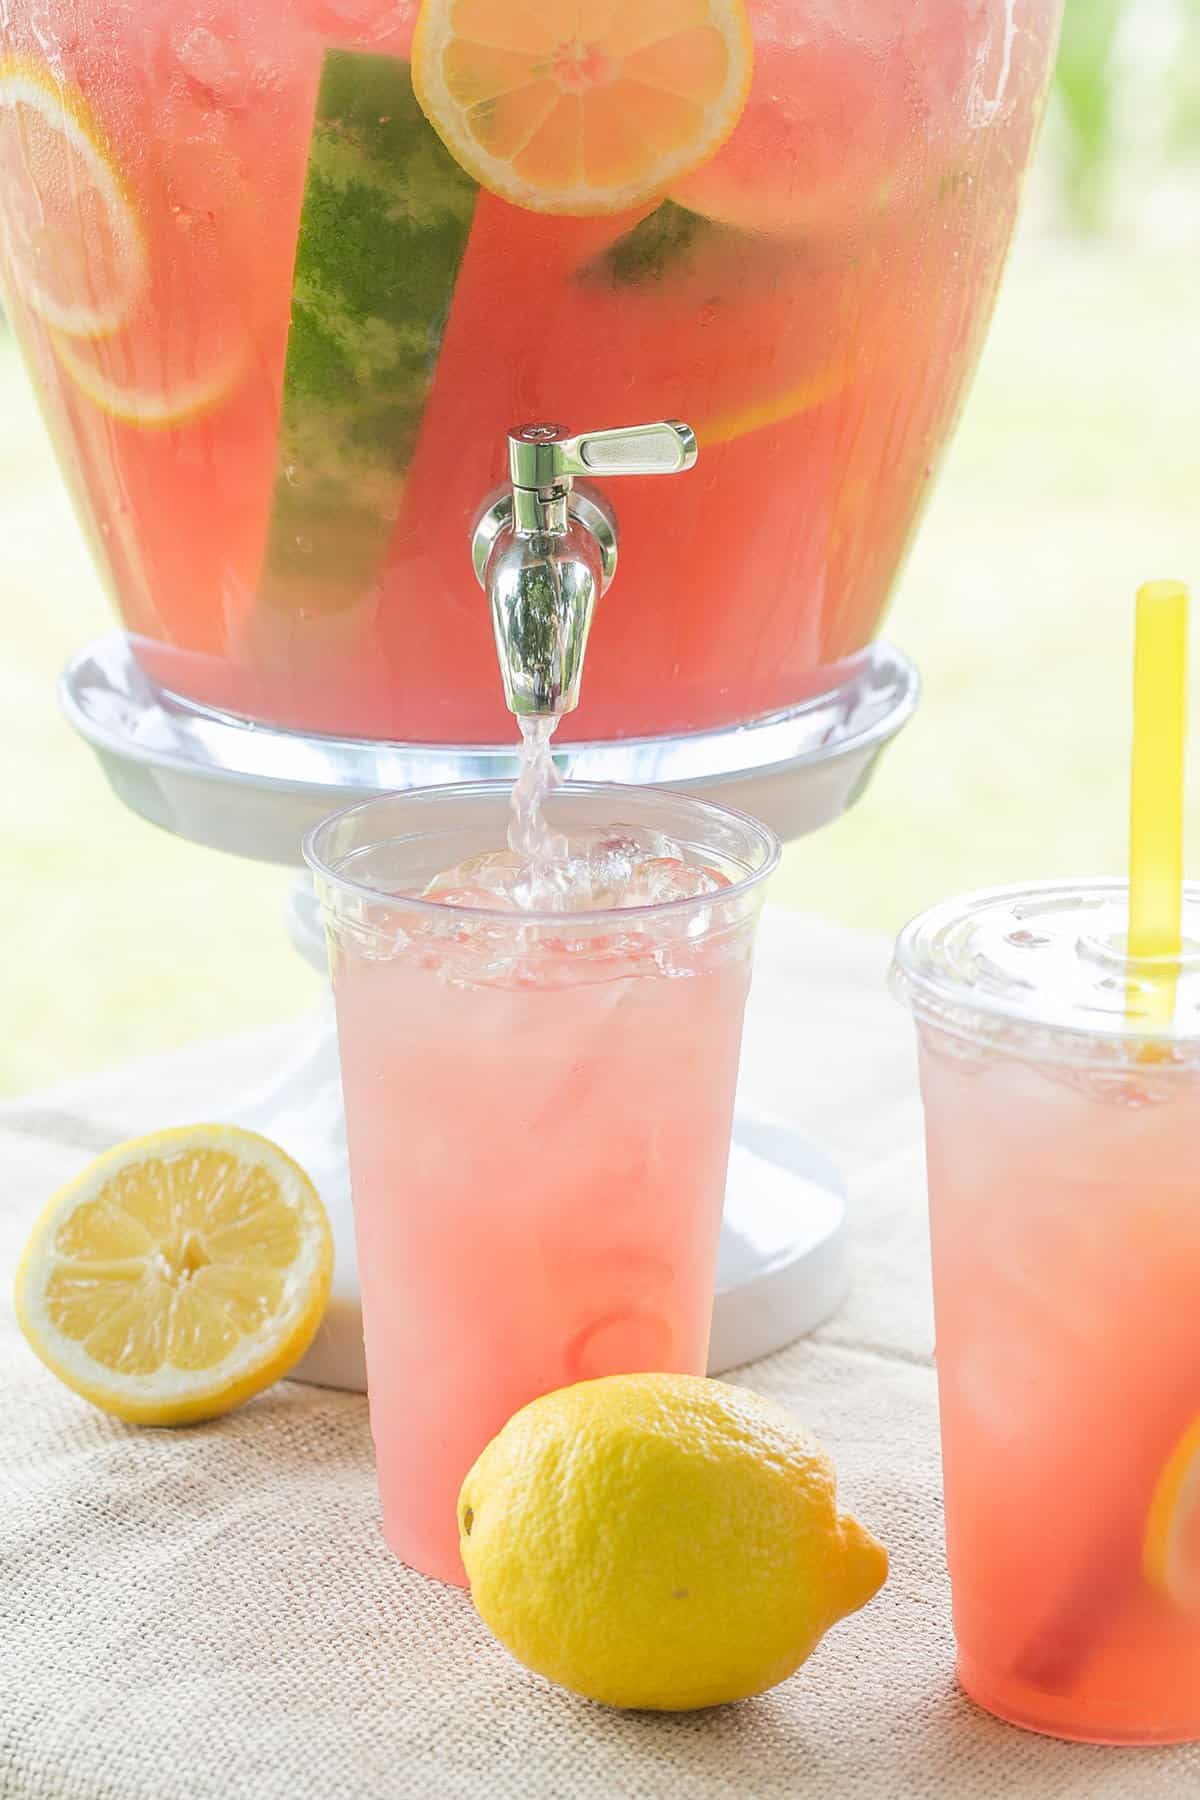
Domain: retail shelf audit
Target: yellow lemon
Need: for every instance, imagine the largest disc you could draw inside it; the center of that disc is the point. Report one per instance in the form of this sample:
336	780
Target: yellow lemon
1171	1556
582	109
178	1275
661	1542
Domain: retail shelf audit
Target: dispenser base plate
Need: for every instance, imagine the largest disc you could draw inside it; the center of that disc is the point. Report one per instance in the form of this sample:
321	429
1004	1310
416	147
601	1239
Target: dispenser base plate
255	791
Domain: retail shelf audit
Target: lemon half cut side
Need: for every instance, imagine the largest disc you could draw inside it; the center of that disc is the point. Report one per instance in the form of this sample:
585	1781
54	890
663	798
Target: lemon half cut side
178	1275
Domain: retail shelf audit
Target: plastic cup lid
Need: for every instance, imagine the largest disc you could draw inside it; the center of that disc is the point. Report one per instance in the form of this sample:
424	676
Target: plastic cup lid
1049	961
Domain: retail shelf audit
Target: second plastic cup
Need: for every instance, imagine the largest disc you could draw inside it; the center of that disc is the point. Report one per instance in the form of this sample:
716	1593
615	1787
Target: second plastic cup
1063	1129
539	1110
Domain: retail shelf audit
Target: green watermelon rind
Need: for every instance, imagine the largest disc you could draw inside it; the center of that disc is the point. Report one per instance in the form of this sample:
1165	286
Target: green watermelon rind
384	224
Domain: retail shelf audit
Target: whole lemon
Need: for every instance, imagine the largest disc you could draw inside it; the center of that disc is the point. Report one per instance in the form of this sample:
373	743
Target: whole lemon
661	1542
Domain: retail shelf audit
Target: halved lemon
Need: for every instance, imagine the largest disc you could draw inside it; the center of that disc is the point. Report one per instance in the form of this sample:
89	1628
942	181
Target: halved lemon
587	107
178	1275
75	245
1171	1555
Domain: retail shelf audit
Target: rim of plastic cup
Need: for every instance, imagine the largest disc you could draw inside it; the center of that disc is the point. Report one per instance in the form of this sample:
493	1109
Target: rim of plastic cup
939	997
772	847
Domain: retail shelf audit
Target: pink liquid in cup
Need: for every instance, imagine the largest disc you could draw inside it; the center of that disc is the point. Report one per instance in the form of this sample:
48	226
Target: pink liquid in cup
1063	1126
538	1106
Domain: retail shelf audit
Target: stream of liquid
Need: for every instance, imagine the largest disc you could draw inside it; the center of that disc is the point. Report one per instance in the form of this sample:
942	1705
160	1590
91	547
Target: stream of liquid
597	868
544	853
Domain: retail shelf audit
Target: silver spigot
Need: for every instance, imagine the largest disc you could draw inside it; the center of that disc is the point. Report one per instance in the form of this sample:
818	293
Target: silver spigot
546	550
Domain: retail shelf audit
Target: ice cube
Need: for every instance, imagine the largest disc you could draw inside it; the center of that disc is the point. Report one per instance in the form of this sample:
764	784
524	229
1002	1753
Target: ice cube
659	879
637	839
216	67
609	866
452	889
545	885
496	870
605	859
374	17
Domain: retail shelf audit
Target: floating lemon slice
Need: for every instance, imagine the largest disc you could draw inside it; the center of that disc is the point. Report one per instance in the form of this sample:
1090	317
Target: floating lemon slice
186	347
821	386
117	375
178	1275
583	109
74	243
1171	1555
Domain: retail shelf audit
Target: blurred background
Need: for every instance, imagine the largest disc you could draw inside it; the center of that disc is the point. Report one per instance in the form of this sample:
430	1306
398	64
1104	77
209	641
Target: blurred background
1075	476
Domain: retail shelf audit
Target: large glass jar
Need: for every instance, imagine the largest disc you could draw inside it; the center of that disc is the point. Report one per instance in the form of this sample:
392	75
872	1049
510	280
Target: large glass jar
285	275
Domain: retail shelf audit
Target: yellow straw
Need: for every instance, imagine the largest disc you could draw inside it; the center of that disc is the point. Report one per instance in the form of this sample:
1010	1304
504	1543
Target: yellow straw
1159	743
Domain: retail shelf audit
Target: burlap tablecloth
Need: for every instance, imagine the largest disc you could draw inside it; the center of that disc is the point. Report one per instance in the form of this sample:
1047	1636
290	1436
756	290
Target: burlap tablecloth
212	1612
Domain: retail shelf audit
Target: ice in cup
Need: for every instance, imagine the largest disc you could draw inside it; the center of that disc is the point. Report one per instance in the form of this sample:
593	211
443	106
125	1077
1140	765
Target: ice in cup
1062	1103
538	1106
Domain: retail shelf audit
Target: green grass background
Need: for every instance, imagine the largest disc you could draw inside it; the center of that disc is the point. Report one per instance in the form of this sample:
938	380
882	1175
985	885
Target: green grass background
1076	474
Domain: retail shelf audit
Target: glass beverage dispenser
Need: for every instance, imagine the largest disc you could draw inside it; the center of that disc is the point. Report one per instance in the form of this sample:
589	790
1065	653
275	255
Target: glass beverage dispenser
286	272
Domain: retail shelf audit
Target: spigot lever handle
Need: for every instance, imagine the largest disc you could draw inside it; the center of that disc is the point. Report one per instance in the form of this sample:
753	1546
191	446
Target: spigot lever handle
545	551
663	449
542	456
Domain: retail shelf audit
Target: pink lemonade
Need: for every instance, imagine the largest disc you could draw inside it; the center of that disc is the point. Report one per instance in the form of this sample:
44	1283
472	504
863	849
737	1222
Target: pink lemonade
279	330
1064	1189
538	1108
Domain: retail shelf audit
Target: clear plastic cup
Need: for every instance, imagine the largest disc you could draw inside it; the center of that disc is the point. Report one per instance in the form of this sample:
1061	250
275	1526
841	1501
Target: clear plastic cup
539	1109
1062	1106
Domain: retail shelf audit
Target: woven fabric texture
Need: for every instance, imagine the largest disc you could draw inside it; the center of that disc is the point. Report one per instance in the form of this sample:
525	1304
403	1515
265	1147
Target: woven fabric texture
211	1614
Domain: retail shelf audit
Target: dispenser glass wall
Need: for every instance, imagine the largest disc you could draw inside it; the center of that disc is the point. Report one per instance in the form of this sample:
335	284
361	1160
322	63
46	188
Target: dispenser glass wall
279	330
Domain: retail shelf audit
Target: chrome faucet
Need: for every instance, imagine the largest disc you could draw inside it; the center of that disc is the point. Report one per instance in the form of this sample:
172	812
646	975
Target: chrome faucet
546	550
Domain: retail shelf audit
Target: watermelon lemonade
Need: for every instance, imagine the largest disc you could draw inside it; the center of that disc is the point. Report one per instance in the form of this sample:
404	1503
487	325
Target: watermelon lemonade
1062	1109
286	271
539	1067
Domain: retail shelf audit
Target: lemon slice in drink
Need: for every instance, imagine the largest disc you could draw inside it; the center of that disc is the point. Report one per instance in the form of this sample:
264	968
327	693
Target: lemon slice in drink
117	374
1171	1555
74	243
574	109
188	344
178	1275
